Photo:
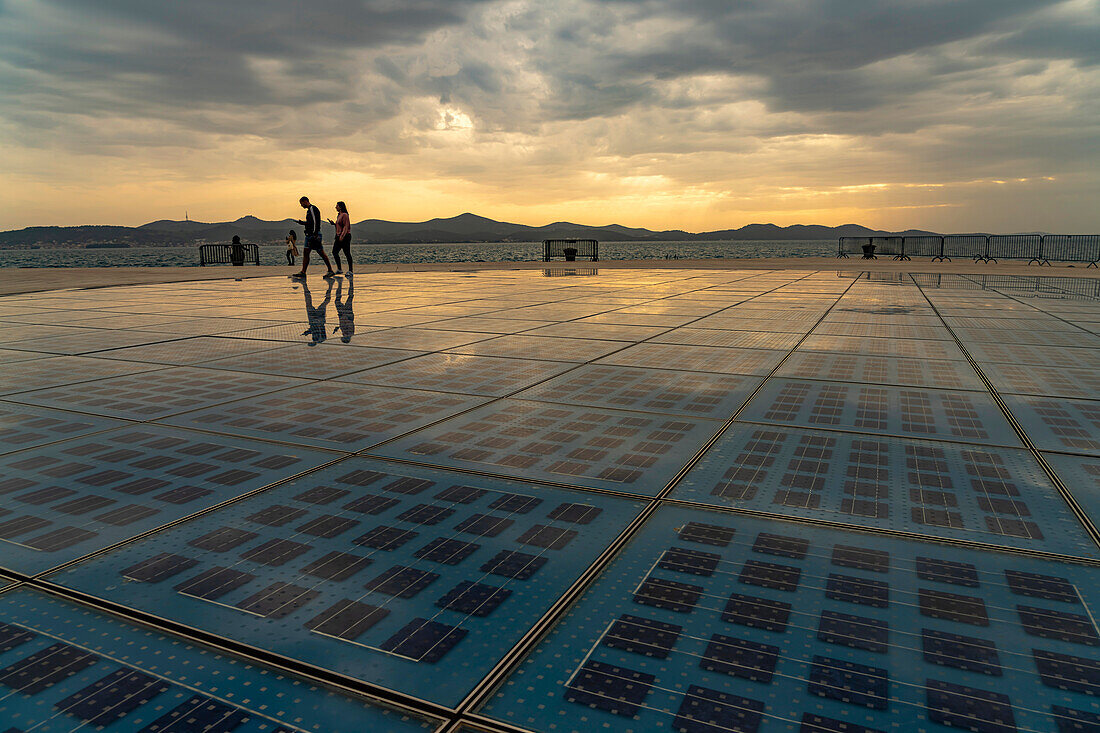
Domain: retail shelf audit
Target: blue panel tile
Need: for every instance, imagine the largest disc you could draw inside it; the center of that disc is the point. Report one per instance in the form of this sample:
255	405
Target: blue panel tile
22	426
424	609
156	394
481	375
583	446
68	499
66	668
805	659
905	371
906	412
995	495
1058	424
1081	475
649	390
367	415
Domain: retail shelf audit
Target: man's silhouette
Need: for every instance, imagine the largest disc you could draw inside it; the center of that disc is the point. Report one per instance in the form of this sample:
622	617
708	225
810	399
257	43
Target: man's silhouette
312	240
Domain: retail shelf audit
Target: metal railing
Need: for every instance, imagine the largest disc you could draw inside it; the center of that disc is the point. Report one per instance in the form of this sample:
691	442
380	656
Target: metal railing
228	254
581	248
1040	249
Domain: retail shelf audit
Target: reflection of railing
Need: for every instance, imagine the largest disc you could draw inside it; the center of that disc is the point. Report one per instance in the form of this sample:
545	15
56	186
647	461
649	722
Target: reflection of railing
1040	249
562	272
1022	285
228	254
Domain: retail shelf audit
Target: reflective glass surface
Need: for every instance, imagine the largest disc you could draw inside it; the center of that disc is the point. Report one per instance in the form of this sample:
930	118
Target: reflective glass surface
871	501
65	668
711	622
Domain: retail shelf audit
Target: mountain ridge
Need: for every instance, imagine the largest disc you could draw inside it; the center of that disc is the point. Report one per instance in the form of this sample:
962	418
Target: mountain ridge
465	227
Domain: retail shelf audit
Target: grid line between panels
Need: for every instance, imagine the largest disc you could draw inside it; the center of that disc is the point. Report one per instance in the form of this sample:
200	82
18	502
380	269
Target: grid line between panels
1066	494
480	694
464	714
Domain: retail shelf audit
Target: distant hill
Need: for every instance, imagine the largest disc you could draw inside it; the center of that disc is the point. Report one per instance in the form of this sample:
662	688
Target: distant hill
461	228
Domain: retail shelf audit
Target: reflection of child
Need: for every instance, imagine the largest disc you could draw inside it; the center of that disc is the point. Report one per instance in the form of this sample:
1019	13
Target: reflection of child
344	312
291	247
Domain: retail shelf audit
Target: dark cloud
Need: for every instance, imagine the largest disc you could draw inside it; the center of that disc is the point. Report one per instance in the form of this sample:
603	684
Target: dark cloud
696	91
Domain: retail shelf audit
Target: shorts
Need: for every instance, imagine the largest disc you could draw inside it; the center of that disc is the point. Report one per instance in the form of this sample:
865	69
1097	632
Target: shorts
313	241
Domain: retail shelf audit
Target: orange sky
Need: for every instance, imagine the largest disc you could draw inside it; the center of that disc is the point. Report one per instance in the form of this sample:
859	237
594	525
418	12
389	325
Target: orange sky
697	116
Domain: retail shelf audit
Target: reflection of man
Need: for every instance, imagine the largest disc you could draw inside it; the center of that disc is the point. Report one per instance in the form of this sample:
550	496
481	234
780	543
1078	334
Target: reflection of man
344	312
316	316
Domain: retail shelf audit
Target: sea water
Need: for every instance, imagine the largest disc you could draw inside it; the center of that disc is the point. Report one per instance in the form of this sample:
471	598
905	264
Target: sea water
370	254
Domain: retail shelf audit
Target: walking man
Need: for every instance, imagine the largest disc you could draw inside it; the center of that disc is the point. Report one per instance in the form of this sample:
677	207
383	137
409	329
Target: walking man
312	240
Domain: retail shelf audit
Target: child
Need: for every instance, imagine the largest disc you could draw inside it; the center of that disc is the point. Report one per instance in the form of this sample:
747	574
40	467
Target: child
291	247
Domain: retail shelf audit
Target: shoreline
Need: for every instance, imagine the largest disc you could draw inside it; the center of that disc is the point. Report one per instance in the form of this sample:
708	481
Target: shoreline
17	280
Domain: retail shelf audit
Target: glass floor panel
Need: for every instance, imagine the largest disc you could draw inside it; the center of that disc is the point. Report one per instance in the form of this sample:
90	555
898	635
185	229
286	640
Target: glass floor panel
733	339
415	579
883	330
605	331
313	363
151	395
1048	356
66	668
583	446
1043	380
663	391
709	622
902	411
10	356
999	496
1058	424
698	358
638	319
48	370
190	351
62	501
550	348
1027	336
87	341
488	324
1081	475
346	417
22	426
912	348
480	375
904	371
420	339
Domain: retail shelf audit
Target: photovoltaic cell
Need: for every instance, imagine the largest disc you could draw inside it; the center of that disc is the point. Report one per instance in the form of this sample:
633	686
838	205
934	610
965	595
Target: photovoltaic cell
346	619
474	599
960	652
424	641
607	687
960	706
641	635
709	711
740	658
106	700
41	670
857	684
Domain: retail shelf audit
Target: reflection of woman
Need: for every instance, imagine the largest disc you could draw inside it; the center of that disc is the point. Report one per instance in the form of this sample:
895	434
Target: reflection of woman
291	247
344	311
343	236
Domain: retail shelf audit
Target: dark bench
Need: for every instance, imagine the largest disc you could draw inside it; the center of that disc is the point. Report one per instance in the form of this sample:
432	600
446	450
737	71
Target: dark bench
228	254
570	249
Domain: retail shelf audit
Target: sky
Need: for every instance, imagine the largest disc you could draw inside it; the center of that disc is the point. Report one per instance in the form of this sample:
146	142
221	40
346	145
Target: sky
951	115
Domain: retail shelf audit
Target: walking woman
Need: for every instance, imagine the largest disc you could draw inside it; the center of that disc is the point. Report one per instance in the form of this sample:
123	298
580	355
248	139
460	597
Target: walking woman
291	247
343	236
